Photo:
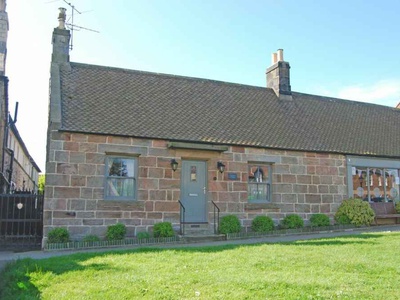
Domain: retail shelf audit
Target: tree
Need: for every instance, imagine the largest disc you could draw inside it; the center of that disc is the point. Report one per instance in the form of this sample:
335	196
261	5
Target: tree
41	182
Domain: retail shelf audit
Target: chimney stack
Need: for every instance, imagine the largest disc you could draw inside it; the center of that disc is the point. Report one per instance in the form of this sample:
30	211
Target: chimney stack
3	36
60	41
278	76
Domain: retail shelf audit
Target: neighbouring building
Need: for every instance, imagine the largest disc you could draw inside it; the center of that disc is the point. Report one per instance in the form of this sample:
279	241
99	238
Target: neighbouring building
139	148
18	172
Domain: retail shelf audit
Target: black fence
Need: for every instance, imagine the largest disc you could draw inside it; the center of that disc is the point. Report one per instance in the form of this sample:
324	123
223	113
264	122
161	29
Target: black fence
21	221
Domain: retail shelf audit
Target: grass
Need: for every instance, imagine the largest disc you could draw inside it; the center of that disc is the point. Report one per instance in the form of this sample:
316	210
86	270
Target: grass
365	266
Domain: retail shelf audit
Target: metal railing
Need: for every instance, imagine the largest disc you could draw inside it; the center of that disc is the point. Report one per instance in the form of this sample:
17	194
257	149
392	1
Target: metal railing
216	217
182	218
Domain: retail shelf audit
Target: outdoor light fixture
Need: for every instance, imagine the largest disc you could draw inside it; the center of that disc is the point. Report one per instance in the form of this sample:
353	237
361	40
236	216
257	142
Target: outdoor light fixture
174	164
221	167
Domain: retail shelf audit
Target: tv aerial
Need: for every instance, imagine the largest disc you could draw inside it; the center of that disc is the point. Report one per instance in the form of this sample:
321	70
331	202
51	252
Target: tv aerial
72	26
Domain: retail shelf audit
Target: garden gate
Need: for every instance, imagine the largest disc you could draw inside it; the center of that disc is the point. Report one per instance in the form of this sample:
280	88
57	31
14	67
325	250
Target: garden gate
21	221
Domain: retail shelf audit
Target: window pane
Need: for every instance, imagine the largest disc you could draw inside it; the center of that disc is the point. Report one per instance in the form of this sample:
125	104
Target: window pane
118	187
258	174
258	183
121	167
258	191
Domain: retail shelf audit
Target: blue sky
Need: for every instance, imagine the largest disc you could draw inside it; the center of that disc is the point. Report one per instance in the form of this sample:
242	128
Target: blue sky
347	49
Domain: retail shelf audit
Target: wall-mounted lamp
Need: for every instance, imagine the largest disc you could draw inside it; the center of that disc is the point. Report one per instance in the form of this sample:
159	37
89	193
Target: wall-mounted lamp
174	164
221	167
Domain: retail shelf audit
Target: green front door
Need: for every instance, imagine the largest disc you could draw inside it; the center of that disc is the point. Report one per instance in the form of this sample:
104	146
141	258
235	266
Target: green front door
194	191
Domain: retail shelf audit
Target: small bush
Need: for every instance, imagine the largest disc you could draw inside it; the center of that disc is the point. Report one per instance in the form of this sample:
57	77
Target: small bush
116	232
397	207
91	238
318	220
163	229
292	222
143	235
58	235
262	224
354	211
229	224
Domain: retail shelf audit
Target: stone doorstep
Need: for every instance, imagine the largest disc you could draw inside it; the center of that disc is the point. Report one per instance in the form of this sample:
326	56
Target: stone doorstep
198	229
202	238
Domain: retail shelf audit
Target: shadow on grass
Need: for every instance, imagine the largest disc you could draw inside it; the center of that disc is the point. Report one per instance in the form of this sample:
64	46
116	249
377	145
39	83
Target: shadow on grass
15	279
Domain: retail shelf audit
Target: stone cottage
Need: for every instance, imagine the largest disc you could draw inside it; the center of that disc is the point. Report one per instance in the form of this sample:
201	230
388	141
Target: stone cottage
139	148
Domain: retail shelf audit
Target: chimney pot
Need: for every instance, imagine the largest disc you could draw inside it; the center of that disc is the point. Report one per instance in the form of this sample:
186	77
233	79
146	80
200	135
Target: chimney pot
274	58
61	18
280	54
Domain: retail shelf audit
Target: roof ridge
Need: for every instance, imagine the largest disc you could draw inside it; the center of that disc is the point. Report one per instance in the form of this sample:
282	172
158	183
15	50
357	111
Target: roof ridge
168	75
348	101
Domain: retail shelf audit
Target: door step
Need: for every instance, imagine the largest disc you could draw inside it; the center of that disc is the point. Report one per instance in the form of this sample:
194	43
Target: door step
203	238
198	229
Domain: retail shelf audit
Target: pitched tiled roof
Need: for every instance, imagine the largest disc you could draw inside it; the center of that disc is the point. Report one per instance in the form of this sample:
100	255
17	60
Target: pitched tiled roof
123	102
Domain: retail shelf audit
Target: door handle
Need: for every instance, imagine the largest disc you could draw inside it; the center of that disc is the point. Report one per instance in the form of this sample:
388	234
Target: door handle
204	190
193	195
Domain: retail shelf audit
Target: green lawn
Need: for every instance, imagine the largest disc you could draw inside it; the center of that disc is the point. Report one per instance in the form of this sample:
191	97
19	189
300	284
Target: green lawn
365	266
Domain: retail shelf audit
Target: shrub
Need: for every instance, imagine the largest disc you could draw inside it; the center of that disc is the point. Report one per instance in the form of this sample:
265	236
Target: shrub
143	235
163	229
397	207
262	224
229	224
292	221
116	232
58	235
91	238
354	211
318	220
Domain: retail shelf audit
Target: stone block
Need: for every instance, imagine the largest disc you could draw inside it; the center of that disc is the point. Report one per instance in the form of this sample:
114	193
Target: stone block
66	168
236	166
288	178
157	195
300	188
86	193
169	184
283	188
66	192
87	169
164	206
61	156
281	169
289	198
290	160
143	195
93	222
97	139
77	180
77	157
296	169
108	214
78	137
154	215
85	215
239	186
87	147
95	158
95	181
304	179
333	189
71	146
159	144
148	161
57	180
159	152
67	222
323	189
313	198
77	204
130	222
148	184
302	208
156	172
